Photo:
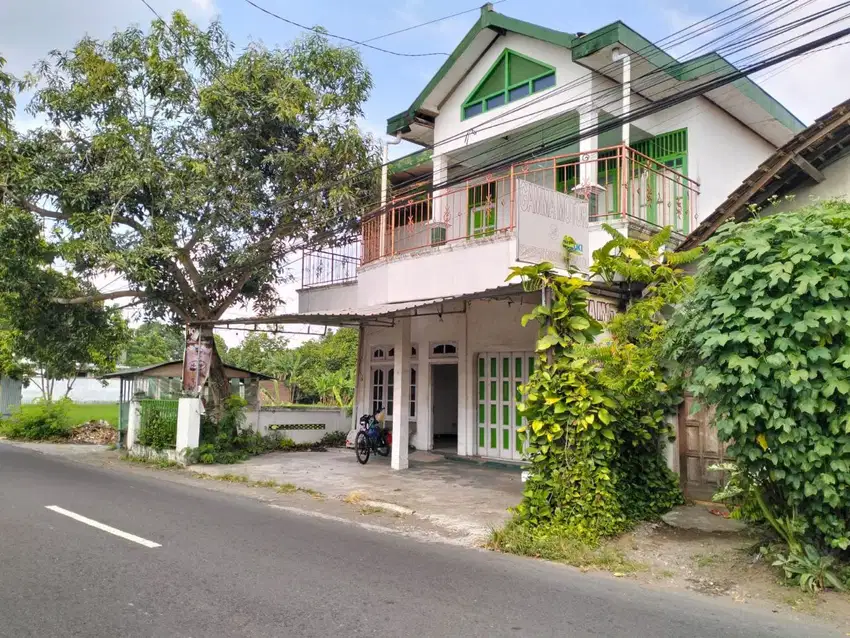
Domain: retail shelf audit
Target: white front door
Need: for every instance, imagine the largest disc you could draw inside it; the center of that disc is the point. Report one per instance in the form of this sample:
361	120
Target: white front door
500	375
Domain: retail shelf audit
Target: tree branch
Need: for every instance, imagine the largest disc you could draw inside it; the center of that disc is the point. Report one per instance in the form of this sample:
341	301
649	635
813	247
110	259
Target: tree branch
103	296
61	216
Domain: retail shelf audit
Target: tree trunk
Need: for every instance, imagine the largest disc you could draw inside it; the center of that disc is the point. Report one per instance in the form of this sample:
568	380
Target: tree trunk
218	384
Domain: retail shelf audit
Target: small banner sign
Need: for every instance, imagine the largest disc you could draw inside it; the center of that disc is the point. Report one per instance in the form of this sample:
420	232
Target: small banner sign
544	217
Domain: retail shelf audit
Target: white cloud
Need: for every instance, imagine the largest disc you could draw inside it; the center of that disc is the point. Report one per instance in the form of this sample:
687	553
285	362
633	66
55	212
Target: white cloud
29	29
809	85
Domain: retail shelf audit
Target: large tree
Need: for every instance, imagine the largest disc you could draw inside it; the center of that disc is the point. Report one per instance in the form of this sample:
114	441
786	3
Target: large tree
192	172
39	331
154	342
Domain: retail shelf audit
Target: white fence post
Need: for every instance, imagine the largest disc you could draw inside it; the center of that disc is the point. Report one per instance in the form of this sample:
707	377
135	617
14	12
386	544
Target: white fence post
188	424
133	422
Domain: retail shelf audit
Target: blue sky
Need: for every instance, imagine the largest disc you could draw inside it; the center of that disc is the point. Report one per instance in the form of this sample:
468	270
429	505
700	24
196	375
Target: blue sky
29	28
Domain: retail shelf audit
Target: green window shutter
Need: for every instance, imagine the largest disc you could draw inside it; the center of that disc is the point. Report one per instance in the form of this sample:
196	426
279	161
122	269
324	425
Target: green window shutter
667	146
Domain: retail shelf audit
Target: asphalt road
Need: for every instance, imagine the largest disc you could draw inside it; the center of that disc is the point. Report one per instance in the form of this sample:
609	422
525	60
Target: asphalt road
232	566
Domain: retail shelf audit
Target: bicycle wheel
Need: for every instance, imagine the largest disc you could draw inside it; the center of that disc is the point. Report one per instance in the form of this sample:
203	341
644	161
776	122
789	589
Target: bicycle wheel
362	448
383	448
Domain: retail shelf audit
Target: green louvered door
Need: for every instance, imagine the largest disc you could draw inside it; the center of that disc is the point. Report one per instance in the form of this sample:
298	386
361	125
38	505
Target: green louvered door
500	375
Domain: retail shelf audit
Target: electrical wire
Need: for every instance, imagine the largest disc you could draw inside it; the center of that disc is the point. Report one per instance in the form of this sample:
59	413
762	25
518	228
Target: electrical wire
425	24
321	31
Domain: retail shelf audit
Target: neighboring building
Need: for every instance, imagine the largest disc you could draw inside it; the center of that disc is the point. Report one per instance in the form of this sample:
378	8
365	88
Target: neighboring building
502	175
815	164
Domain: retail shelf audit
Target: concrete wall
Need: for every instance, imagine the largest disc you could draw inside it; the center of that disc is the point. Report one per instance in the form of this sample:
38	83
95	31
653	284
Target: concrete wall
301	424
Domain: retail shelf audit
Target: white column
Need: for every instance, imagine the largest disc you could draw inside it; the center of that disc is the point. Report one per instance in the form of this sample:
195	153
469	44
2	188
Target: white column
588	121
424	409
188	423
401	395
466	419
133	419
627	97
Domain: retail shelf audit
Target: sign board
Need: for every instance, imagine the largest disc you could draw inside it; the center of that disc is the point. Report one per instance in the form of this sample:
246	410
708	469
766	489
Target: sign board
544	217
196	360
601	310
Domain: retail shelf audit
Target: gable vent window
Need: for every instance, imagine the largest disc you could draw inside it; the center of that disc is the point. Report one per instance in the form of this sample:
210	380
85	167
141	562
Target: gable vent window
512	77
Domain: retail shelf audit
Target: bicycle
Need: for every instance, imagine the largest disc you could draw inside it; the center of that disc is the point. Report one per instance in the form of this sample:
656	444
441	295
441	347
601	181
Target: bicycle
371	437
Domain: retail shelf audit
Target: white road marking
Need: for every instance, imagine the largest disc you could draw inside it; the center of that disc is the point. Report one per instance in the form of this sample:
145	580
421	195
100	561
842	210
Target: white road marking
105	528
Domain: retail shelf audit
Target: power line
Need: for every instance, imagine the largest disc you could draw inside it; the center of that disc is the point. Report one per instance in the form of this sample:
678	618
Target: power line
338	37
425	24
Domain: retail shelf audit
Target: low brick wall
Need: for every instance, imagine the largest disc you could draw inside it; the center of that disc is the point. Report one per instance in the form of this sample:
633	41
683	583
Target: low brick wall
299	423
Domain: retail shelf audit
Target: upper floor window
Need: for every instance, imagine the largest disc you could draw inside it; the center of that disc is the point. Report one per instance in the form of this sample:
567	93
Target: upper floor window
512	77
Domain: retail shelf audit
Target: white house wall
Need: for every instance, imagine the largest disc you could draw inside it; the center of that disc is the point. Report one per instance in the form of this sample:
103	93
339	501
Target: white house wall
449	122
486	326
835	186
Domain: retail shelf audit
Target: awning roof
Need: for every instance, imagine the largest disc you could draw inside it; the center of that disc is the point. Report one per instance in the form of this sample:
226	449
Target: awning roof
799	162
151	371
379	314
385	314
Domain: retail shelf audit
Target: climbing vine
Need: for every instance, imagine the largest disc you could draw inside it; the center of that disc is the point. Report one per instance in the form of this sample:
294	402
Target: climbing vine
596	405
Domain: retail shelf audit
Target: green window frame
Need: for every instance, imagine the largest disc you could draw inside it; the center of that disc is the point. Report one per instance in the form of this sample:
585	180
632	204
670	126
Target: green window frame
671	150
512	77
481	218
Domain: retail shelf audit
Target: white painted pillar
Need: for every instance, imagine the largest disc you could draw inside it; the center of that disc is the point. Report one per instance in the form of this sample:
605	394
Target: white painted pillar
401	395
188	423
466	391
439	204
588	171
133	420
627	97
424	408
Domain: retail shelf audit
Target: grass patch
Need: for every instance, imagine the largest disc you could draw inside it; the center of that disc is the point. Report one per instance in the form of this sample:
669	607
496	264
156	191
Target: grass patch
368	510
353	498
161	463
705	560
551	544
283	488
83	412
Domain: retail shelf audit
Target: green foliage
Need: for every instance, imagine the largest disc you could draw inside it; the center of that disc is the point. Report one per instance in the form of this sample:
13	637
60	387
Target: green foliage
765	335
159	430
810	569
42	422
596	409
188	169
258	352
154	342
322	371
60	339
551	542
333	439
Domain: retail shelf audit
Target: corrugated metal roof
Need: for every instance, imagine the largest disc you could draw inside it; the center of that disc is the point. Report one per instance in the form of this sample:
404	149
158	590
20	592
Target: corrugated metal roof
371	314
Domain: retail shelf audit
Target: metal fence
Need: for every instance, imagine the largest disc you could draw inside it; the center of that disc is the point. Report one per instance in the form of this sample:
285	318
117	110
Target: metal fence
619	183
158	423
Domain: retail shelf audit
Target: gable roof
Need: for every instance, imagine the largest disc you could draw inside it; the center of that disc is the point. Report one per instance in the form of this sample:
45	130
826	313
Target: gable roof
743	99
798	162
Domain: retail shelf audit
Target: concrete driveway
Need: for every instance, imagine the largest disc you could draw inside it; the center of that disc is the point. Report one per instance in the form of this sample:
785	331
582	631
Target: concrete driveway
462	497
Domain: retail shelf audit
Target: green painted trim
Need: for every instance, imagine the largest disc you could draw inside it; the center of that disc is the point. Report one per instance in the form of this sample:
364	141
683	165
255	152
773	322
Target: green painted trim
507	87
620	33
417	158
488	20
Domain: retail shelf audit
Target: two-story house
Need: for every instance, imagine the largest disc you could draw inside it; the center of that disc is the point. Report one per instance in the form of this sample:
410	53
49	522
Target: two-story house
525	131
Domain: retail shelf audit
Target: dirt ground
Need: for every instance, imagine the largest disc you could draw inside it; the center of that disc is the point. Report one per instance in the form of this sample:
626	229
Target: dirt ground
726	565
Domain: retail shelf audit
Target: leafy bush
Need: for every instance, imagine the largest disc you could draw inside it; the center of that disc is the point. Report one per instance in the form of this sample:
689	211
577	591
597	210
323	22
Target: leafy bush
333	439
44	422
765	335
811	570
159	431
596	410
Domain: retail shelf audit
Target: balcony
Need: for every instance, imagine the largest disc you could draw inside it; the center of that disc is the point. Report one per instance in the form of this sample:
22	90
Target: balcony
619	183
